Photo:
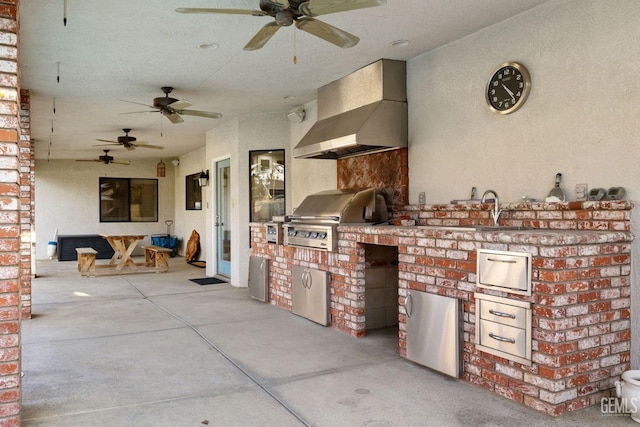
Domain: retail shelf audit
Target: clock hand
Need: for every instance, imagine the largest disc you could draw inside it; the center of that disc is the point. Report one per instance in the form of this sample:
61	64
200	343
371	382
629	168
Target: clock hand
509	92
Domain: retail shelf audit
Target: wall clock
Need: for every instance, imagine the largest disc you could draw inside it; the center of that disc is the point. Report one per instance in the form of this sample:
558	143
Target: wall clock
508	88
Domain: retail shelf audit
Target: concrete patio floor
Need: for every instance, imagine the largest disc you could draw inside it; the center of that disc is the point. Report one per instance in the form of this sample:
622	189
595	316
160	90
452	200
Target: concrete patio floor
160	350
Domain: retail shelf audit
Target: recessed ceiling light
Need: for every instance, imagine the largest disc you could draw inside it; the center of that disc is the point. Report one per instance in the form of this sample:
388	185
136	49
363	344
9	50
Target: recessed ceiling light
208	46
399	43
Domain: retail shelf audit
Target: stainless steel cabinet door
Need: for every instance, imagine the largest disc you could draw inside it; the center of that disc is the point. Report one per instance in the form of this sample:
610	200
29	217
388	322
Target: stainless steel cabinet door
434	331
310	294
259	278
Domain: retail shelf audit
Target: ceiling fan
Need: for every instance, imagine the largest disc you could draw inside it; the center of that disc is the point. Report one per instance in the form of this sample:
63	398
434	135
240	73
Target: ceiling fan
106	159
127	142
173	108
300	12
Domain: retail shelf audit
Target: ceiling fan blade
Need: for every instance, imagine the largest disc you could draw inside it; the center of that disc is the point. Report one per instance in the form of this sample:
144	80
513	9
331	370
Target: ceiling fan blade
327	32
197	113
138	103
138	112
262	36
120	162
325	7
106	145
106	140
172	116
179	105
88	160
157	147
225	11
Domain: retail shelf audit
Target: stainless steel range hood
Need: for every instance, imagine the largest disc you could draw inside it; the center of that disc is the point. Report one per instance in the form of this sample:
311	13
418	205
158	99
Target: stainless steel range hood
364	112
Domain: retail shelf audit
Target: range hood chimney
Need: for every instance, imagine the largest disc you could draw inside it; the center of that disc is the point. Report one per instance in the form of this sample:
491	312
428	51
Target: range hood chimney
364	112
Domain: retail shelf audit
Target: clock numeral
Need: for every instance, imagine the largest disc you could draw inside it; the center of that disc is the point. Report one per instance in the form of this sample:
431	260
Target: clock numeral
495	83
519	77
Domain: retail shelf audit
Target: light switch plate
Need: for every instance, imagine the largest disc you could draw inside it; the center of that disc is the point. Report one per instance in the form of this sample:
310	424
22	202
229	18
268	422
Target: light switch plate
422	198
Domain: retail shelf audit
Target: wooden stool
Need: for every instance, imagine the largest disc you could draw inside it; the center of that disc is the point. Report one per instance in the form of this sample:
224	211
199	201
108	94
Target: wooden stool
86	260
156	256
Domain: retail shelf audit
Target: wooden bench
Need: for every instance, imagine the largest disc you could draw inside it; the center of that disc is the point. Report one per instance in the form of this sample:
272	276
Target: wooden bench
86	261
156	256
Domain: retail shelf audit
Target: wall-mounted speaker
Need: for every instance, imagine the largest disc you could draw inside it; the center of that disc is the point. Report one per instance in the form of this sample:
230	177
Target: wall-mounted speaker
296	115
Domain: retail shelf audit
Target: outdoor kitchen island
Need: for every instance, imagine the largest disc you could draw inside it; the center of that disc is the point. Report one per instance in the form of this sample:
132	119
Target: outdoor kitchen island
580	301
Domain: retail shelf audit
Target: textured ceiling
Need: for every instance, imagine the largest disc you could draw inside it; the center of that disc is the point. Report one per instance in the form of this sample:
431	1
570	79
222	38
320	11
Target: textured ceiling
122	50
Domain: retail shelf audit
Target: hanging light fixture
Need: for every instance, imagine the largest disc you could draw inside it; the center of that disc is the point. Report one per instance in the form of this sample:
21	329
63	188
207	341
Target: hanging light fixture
203	178
161	169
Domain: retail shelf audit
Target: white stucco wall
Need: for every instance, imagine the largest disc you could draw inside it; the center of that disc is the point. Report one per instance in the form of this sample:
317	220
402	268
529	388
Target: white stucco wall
310	175
581	118
234	139
67	199
188	220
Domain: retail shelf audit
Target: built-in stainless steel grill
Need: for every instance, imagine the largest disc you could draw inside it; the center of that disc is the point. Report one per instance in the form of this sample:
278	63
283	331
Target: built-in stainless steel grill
314	224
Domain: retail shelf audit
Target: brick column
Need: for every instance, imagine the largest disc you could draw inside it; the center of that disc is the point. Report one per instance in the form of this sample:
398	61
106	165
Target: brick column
11	273
27	212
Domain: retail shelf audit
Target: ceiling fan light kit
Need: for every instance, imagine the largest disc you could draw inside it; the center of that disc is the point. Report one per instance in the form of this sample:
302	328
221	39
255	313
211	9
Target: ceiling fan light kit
298	12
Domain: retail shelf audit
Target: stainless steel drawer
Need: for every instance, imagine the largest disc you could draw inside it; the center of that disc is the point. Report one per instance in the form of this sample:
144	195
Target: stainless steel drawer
506	314
503	338
503	327
506	271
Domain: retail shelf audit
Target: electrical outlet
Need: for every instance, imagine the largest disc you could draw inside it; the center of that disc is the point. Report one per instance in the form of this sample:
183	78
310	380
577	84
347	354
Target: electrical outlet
581	191
422	198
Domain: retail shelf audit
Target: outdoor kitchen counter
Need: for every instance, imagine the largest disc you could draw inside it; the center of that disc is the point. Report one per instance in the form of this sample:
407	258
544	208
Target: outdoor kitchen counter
542	237
580	302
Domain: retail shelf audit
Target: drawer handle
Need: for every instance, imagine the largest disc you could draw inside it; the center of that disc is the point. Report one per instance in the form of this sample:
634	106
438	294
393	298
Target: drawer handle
501	314
508	261
503	339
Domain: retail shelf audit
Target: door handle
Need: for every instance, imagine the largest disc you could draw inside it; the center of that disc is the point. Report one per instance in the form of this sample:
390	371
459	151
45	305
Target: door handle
408	305
501	314
306	279
507	261
502	339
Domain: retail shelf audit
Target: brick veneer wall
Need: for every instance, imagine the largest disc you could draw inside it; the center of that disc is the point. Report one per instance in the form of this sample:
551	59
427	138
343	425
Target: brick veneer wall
604	215
11	273
581	300
387	172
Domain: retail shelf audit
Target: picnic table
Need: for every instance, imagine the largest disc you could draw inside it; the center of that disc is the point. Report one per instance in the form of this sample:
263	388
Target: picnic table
123	246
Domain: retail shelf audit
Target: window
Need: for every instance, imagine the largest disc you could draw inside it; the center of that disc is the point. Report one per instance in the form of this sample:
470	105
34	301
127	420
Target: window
193	192
128	200
267	195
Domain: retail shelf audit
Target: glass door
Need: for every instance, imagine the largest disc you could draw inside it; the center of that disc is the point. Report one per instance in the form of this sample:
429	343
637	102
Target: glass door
222	222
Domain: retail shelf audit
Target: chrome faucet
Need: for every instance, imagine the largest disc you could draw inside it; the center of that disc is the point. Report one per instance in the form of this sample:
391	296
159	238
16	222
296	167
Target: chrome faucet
496	212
